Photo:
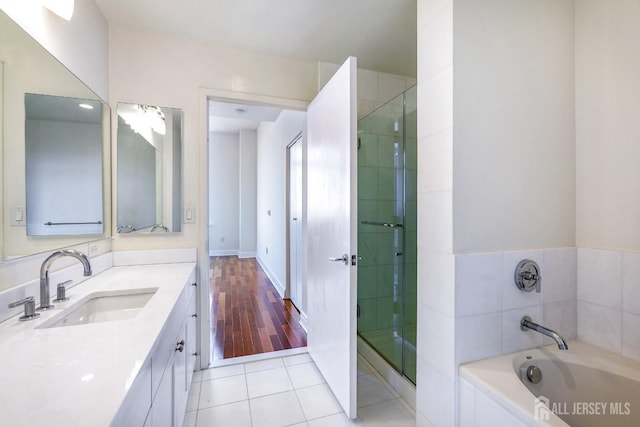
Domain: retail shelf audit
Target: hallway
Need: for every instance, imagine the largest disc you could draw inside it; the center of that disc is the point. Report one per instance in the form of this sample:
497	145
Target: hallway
248	315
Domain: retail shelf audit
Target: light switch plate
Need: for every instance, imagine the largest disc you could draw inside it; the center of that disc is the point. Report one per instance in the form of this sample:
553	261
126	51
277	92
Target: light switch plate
18	216
189	214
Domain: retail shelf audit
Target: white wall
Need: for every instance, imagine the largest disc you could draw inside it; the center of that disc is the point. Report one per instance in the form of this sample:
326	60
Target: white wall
81	44
224	194
248	152
608	178
28	68
496	182
273	138
191	66
607	114
514	169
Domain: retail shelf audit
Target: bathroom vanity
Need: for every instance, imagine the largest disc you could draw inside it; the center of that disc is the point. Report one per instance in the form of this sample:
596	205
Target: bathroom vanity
121	351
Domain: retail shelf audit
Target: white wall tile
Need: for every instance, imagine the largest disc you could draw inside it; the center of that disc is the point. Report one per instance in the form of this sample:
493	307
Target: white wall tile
436	400
439	338
600	326
559	276
478	337
515	339
368	85
437	38
435	160
562	317
513	297
478	283
466	404
157	256
428	9
600	277
631	283
436	286
436	233
436	114
631	335
389	86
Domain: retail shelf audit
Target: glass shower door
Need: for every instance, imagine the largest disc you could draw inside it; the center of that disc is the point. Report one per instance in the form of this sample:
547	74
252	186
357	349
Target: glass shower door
382	177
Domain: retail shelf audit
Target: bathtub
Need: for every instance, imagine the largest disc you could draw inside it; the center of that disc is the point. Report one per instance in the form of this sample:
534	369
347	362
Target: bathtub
582	387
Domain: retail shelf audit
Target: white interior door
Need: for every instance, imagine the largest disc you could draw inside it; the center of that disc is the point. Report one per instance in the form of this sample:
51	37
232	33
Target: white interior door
332	233
295	223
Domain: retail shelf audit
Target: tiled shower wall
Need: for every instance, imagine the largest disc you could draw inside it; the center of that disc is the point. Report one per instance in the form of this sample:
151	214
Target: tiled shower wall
374	88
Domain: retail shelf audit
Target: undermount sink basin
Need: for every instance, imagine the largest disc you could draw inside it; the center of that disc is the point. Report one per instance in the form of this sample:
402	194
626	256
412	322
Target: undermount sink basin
103	307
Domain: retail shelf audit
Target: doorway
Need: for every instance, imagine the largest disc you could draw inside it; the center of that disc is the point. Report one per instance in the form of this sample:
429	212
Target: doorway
295	219
248	240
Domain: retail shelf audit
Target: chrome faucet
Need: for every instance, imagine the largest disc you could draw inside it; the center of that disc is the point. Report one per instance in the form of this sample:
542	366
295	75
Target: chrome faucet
44	273
526	324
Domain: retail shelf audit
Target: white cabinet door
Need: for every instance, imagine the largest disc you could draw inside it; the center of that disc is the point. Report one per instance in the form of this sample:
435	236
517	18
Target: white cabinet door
180	393
162	412
332	232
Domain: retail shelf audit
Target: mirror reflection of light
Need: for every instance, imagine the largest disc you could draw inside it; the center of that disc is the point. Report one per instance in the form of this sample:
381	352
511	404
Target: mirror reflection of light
87	377
62	8
86	106
144	120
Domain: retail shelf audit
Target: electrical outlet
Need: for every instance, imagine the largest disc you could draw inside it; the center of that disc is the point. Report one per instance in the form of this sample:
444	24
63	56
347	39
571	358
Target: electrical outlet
266	249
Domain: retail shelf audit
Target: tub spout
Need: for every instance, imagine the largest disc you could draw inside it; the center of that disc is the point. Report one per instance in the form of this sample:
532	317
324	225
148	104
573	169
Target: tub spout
526	324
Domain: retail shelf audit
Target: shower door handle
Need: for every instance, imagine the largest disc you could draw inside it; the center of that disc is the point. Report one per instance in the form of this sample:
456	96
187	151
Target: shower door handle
344	258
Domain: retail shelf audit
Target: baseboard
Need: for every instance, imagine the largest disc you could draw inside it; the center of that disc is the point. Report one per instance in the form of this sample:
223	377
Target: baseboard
222	252
304	322
247	254
274	281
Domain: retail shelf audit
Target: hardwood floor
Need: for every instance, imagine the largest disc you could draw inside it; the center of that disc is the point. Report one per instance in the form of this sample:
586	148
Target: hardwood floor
248	315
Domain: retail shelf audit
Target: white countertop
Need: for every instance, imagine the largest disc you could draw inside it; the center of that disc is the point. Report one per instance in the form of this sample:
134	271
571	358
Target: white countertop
79	375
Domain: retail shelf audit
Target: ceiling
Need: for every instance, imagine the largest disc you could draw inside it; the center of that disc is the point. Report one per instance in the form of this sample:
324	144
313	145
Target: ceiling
381	33
226	117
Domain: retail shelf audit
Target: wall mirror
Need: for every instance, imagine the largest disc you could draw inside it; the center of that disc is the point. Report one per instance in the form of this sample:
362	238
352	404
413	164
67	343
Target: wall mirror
55	153
149	169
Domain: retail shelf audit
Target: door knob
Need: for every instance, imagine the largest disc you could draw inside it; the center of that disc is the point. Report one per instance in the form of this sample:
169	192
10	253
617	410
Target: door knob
344	258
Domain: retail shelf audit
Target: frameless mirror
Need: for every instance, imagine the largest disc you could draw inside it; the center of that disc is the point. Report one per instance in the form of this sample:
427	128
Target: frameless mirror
63	144
149	169
55	157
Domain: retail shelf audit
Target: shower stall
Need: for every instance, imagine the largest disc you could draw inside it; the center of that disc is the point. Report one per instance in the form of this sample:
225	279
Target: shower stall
387	231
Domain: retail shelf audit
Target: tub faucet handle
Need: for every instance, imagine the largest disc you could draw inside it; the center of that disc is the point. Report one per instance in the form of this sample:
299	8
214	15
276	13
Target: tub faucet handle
527	276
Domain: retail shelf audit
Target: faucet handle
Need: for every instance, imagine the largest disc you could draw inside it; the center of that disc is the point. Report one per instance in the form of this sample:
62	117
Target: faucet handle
61	291
29	308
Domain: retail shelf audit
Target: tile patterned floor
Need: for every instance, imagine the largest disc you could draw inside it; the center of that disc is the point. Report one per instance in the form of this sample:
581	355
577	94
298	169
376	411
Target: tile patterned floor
288	391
